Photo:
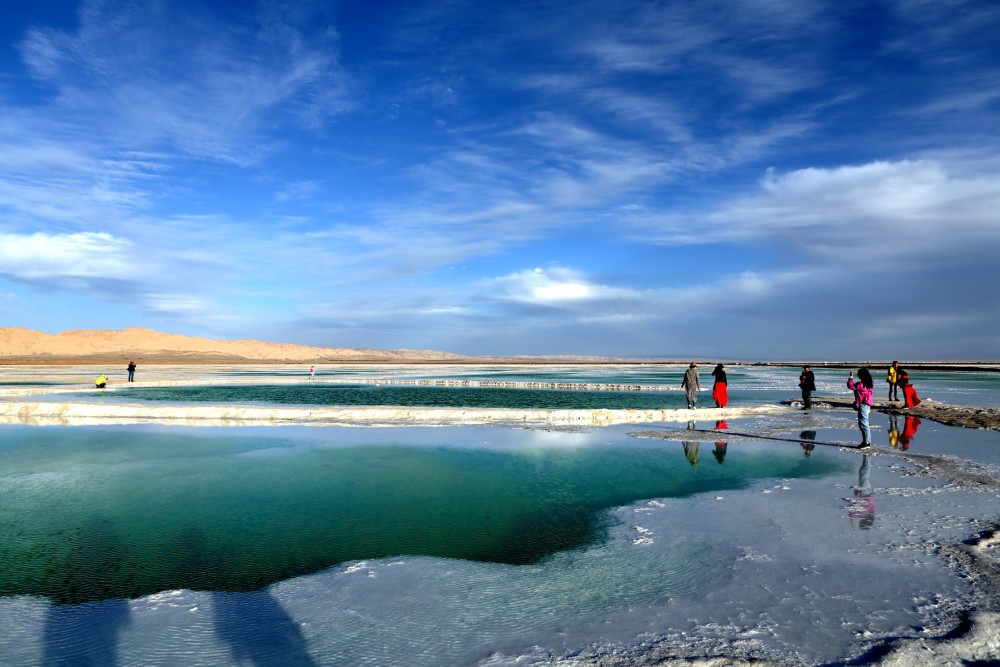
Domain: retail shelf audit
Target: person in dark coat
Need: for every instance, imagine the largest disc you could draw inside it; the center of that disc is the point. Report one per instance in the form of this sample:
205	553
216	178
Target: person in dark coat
807	382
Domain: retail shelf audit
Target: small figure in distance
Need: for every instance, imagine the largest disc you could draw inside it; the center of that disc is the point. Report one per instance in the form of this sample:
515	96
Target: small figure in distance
893	379
312	372
101	381
691	385
807	382
720	390
863	391
131	371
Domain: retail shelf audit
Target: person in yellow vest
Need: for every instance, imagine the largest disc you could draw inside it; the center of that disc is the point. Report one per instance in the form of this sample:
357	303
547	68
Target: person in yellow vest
893	379
101	381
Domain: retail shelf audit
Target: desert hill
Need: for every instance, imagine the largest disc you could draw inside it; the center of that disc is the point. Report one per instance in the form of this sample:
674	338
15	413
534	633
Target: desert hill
25	345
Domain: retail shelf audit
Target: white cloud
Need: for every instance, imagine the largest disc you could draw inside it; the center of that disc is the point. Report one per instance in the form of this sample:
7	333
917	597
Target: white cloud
877	211
553	288
43	256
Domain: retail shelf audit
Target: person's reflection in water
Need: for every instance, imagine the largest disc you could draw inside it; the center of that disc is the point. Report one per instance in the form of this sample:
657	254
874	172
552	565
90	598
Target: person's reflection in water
720	446
691	452
258	630
893	431
691	446
863	508
805	440
910	427
83	624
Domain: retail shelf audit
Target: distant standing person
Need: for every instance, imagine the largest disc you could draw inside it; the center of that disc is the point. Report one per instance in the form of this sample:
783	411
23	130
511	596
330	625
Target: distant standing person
893	378
312	372
720	390
131	371
692	385
807	382
864	389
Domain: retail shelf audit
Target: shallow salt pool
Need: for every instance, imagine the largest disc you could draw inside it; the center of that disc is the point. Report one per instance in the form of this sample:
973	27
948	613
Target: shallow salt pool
476	545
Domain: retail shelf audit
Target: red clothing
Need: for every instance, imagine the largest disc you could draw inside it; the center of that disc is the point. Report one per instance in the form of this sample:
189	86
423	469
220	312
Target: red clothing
720	394
909	430
910	396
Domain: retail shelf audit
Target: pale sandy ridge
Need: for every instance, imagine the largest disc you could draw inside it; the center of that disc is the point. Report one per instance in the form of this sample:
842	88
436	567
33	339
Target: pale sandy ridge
141	343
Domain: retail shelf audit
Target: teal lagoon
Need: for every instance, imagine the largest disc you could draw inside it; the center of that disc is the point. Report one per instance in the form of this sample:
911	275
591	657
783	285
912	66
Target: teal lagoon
121	512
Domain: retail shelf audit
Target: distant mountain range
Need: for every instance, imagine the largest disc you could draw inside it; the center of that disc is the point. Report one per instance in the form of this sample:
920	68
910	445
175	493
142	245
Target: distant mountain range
25	345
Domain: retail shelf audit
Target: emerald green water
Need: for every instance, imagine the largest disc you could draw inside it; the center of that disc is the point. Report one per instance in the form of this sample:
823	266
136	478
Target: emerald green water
119	512
424	396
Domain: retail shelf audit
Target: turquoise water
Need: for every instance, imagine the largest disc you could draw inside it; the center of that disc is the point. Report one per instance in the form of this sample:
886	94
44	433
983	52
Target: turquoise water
120	512
748	385
424	396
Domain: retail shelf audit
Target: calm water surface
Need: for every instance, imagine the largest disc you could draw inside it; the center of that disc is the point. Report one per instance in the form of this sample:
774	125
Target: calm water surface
98	513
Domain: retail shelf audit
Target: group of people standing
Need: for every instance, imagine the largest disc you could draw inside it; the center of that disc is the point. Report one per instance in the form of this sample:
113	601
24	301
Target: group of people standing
692	385
864	395
863	388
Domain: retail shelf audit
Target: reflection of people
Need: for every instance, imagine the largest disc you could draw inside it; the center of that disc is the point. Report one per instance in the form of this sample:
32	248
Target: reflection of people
691	385
910	398
863	390
131	371
691	447
720	390
892	378
720	451
101	381
910	427
805	440
807	382
720	446
691	451
893	430
864	508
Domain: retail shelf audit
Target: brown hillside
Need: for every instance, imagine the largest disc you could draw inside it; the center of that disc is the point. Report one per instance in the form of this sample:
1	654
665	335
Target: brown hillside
18	344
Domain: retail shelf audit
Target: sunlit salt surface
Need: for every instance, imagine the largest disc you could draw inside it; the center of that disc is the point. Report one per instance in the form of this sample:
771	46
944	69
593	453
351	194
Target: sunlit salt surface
162	545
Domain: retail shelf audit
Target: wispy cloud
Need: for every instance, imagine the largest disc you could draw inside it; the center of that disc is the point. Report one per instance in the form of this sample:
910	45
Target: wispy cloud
147	75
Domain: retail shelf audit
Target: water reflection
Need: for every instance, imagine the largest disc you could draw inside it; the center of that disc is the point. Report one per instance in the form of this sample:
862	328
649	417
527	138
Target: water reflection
691	446
806	439
863	506
910	427
720	445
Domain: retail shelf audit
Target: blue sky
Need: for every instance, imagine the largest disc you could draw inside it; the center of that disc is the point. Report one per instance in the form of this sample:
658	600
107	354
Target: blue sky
769	179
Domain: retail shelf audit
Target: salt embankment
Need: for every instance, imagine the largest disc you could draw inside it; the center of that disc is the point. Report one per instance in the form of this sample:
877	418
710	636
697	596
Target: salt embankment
91	413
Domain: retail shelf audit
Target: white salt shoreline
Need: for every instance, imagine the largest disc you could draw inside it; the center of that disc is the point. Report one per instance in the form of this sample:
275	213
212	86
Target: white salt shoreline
92	413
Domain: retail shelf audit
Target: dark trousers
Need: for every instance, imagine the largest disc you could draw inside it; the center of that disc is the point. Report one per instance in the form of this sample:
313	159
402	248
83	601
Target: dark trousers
807	398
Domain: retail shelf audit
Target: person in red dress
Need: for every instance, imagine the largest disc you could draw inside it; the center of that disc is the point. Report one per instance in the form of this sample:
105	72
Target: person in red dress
720	390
